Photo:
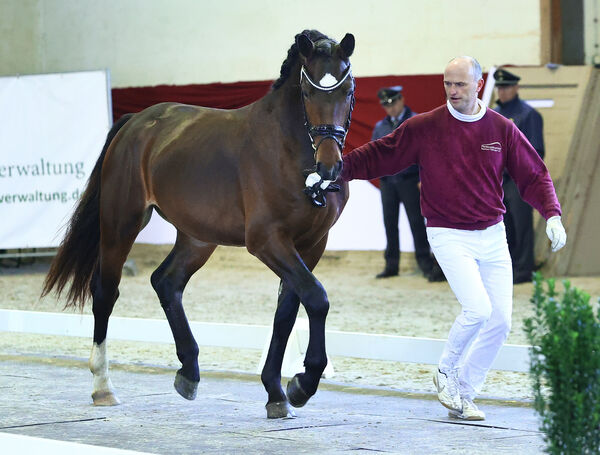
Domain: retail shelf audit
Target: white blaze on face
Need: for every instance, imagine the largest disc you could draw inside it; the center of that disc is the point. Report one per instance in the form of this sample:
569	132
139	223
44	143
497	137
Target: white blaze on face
328	80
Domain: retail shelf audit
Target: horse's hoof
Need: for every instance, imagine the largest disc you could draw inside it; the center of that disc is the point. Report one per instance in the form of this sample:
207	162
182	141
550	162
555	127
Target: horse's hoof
186	388
105	398
279	410
296	396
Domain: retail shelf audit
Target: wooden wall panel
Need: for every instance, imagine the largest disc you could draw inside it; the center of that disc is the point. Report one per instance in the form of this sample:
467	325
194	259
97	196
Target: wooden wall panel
566	87
579	193
572	140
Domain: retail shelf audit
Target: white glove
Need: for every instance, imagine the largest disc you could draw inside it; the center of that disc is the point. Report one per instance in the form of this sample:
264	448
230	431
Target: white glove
315	178
556	233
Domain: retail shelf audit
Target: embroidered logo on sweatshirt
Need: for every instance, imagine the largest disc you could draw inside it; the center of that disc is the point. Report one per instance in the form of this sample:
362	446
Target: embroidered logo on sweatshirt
493	146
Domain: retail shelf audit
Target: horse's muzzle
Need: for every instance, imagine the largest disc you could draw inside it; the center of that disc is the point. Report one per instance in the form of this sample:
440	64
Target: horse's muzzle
329	173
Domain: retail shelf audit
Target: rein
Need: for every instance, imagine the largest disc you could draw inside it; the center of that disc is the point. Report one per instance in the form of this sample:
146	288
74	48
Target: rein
327	131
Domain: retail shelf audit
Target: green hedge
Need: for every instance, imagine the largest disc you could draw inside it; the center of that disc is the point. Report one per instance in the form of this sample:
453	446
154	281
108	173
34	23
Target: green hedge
565	367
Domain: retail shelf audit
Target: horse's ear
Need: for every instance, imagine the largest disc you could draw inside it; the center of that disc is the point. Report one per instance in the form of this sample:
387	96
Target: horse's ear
347	45
305	46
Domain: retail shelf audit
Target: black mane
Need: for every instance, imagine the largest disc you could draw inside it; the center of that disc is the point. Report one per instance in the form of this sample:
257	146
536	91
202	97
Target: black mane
292	55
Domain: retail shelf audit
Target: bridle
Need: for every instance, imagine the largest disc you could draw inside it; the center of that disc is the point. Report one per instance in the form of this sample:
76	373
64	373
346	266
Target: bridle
327	131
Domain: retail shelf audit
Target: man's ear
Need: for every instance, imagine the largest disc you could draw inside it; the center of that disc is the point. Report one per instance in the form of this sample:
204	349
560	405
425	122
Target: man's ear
479	85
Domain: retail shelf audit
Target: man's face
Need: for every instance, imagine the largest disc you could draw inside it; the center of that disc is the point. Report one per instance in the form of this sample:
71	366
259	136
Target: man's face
394	109
461	86
507	93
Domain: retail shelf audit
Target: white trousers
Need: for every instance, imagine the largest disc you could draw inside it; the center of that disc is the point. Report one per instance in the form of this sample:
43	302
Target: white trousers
478	268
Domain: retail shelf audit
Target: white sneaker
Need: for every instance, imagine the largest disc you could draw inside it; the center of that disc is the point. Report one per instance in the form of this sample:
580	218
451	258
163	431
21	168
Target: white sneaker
469	411
447	389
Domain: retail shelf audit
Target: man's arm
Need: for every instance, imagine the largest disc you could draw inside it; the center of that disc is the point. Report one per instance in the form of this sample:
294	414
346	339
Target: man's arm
535	186
385	156
531	175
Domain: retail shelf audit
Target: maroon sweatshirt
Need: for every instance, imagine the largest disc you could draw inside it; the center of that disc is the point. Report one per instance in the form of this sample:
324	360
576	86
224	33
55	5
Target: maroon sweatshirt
460	165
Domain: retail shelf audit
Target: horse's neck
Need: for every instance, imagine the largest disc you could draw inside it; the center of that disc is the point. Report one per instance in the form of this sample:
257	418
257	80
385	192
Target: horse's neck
285	104
284	109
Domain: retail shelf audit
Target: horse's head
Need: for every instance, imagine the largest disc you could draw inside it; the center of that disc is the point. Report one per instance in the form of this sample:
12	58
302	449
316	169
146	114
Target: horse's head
327	88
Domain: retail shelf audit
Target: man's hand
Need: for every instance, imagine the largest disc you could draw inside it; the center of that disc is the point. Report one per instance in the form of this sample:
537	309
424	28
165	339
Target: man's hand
556	233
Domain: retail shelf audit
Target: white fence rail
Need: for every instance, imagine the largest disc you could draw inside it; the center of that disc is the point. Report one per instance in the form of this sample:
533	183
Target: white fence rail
345	344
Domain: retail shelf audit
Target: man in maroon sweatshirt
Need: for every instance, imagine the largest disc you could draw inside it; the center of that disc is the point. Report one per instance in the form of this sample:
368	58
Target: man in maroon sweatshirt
462	149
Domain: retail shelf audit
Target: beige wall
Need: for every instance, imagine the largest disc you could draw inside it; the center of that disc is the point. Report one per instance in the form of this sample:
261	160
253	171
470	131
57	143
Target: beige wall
148	42
20	41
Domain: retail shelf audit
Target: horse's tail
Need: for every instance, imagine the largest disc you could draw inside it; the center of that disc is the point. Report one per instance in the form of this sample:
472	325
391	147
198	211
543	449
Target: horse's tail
78	253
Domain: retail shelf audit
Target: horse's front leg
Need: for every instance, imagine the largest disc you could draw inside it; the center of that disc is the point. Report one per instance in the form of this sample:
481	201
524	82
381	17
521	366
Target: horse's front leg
285	316
169	281
298	282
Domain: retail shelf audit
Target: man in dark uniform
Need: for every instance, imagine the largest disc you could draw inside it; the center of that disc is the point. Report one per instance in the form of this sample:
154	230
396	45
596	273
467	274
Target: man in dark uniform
402	188
519	215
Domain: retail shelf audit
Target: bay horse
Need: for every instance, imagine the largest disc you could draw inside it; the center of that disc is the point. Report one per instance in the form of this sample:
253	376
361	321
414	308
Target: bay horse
221	177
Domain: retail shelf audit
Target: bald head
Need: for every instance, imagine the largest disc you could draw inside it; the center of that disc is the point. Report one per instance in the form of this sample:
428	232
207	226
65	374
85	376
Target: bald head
466	63
462	82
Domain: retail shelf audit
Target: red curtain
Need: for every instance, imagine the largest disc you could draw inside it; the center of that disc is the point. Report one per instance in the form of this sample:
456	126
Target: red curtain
422	93
222	96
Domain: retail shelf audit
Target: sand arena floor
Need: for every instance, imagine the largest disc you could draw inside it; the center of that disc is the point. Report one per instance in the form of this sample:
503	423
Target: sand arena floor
235	287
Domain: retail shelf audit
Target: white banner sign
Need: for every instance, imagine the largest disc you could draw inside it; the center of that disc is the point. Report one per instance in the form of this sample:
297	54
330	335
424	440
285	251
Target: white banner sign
52	129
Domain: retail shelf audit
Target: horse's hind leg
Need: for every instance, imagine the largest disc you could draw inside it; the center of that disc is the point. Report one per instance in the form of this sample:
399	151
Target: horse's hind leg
285	316
114	249
169	281
122	214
